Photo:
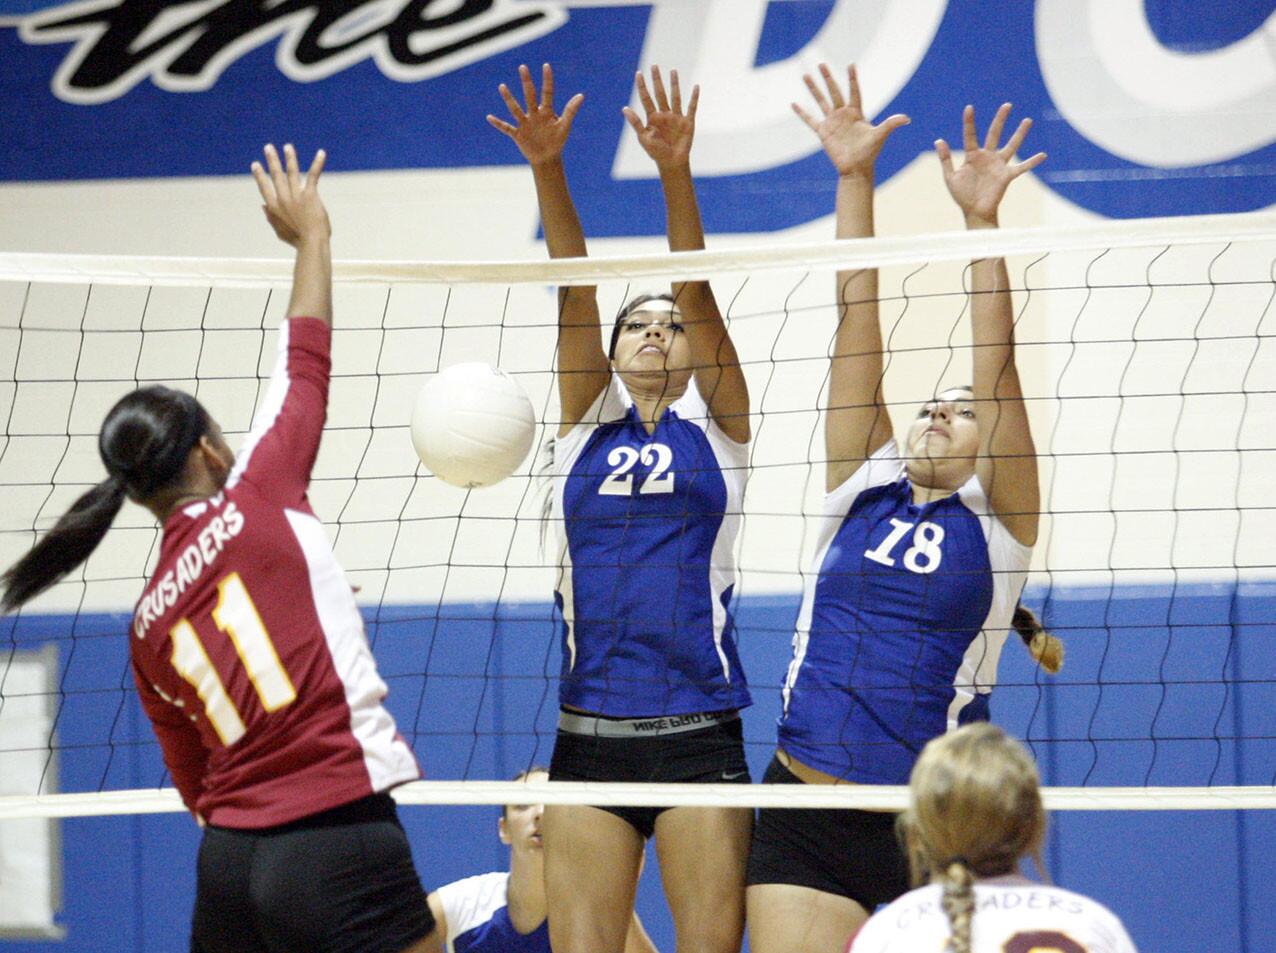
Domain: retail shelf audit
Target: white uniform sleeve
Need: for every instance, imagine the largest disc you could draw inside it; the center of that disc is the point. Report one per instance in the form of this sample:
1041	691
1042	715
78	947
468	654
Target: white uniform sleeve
611	403
471	902
884	466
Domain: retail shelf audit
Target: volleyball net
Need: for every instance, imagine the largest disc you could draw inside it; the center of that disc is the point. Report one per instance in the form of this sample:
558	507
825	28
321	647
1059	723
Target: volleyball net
1147	356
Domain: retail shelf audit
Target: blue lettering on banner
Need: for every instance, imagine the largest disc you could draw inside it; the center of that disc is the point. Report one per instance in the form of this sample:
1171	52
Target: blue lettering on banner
1145	109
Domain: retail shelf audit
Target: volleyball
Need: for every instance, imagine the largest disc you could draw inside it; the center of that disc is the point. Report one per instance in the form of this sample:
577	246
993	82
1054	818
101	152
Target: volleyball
472	425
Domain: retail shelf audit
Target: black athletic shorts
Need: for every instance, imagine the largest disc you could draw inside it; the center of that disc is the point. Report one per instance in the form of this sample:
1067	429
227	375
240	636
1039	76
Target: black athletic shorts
847	853
710	755
342	880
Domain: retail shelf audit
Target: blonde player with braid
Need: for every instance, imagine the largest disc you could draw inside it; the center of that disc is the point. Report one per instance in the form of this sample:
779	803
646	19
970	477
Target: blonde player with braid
974	813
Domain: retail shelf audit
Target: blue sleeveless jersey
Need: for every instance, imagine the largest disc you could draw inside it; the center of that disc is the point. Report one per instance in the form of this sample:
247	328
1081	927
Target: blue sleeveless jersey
900	631
647	566
478	918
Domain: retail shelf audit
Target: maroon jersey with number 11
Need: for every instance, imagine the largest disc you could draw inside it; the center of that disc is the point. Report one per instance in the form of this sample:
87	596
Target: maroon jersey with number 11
248	649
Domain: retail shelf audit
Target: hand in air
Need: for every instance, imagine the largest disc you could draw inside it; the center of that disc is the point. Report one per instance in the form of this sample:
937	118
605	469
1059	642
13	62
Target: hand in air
537	130
291	202
849	139
667	132
985	173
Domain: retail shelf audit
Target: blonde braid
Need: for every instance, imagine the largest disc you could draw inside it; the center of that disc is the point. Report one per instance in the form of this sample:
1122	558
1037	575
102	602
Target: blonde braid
959	903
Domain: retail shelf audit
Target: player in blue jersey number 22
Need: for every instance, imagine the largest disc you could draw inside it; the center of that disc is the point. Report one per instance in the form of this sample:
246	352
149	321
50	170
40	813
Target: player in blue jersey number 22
648	469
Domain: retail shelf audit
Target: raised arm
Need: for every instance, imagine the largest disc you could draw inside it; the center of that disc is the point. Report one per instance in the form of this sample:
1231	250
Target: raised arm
296	213
540	134
666	135
1007	465
856	423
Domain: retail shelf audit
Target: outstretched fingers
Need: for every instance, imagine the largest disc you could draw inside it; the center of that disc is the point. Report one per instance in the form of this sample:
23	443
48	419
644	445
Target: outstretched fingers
806	117
817	94
293	168
316	169
835	93
501	125
277	178
264	185
529	88
853	87
970	142
547	86
996	127
1017	139
511	103
945	156
644	95
658	85
1019	168
571	109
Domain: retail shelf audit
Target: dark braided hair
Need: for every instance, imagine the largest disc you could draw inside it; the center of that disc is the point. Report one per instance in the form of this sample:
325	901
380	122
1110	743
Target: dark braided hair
144	443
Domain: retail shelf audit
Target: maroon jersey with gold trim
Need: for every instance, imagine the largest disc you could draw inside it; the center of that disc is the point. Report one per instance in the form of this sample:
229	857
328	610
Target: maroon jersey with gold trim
248	649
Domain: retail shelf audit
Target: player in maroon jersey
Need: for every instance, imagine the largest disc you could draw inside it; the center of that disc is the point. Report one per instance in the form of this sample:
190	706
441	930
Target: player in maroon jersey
248	649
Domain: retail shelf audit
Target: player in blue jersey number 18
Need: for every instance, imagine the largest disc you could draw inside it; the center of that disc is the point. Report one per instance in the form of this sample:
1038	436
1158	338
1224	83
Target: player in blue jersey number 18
922	552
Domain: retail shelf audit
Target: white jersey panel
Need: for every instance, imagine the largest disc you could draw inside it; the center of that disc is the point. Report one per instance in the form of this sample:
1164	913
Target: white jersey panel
386	755
470	903
1009	560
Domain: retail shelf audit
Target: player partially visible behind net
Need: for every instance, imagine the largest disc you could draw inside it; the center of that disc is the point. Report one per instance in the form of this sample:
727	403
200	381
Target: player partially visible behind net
247	648
506	911
974	816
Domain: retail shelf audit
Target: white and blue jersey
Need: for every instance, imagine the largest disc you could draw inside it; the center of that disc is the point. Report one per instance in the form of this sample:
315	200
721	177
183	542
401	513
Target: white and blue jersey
478	918
647	564
900	631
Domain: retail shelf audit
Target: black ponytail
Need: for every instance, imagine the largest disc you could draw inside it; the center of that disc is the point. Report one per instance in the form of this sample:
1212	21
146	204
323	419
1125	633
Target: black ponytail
70	542
145	442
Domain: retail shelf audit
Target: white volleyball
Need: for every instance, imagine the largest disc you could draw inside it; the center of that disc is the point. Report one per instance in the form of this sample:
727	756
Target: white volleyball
472	425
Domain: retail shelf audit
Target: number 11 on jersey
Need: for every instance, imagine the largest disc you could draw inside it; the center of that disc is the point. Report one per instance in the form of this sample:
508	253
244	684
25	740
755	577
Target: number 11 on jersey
237	616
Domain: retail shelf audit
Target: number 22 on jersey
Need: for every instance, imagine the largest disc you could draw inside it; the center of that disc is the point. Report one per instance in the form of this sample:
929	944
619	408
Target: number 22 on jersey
620	482
237	616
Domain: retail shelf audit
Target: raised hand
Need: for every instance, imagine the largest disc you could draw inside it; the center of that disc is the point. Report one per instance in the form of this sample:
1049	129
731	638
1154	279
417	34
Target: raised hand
537	130
667	132
985	173
291	202
849	139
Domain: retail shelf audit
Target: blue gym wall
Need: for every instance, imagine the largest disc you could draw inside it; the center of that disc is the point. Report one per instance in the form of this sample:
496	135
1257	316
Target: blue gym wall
1162	686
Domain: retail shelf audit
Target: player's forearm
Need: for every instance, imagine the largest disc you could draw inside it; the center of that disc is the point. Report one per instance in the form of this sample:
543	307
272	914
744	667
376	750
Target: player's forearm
686	230
564	236
312	279
686	233
992	324
858	329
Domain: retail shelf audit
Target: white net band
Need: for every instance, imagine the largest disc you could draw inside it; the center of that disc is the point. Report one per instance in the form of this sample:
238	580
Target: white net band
854	253
860	797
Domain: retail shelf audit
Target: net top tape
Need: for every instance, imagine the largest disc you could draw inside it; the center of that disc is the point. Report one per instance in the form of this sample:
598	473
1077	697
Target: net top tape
863	797
850	254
